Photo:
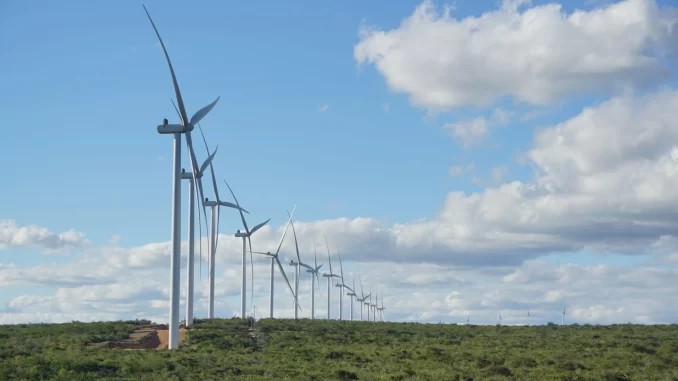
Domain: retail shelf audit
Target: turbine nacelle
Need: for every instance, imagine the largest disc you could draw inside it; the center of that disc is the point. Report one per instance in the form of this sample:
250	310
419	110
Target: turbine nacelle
166	128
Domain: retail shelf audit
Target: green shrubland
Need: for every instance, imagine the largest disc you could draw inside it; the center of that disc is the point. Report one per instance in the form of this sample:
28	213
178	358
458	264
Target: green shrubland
224	349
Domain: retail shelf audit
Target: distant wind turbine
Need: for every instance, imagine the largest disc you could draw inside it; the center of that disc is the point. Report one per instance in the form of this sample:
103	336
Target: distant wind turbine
314	274
562	322
297	271
246	236
190	261
362	299
214	230
368	304
275	259
381	309
352	295
341	286
329	277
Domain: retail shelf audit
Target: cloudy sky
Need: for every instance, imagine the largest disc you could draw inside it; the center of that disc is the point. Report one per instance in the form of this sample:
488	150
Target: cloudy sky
469	159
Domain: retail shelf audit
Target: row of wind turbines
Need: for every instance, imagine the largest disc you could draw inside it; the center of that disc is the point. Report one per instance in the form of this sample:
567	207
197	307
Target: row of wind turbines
194	177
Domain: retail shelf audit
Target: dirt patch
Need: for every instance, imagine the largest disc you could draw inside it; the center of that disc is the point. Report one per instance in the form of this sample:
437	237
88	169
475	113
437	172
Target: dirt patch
150	337
163	337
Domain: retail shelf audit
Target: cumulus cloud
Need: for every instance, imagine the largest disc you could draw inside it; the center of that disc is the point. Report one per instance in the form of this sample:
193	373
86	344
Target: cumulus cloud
13	235
458	170
443	62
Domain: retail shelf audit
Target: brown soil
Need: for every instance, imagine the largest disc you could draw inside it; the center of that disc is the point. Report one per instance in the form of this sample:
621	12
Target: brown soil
151	337
163	336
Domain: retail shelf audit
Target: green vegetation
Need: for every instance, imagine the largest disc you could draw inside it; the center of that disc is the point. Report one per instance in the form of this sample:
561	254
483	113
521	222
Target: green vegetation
334	350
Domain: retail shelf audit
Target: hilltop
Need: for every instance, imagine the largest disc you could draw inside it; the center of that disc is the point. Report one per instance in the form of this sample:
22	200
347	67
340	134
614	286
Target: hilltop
225	349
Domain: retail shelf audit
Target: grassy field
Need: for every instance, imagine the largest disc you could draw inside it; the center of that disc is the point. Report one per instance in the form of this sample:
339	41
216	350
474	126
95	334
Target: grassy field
334	350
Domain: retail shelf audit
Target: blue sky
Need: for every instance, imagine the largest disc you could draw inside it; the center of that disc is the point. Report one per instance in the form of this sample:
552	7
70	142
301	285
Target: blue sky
86	85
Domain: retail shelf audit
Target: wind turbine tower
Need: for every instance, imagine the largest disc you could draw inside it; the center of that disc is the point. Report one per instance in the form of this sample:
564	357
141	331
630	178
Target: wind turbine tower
275	259
329	277
314	274
190	261
352	295
246	238
176	130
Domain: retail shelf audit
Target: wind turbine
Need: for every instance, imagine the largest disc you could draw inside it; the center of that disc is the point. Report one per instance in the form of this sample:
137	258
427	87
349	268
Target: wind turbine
191	237
341	286
500	318
314	272
362	299
562	322
185	127
329	278
352	294
246	236
468	319
214	230
381	309
369	304
297	270
274	260
374	307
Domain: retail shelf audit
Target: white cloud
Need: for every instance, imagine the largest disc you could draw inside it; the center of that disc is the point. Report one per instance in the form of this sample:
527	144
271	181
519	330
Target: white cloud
323	108
386	107
458	170
12	235
469	132
443	62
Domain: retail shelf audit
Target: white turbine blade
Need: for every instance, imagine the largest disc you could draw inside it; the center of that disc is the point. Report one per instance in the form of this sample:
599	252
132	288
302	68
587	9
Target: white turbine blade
254	229
195	119
341	267
200	236
175	108
214	178
177	92
242	217
361	286
315	262
208	161
294	232
285	232
216	231
232	205
197	180
282	270
328	254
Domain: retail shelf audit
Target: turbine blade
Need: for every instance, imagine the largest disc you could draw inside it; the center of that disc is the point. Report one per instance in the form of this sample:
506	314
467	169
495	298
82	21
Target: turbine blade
254	229
208	161
216	232
195	119
361	286
282	270
285	232
296	244
242	216
232	205
200	236
328	254
315	259
175	108
177	92
341	267
214	178
197	180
